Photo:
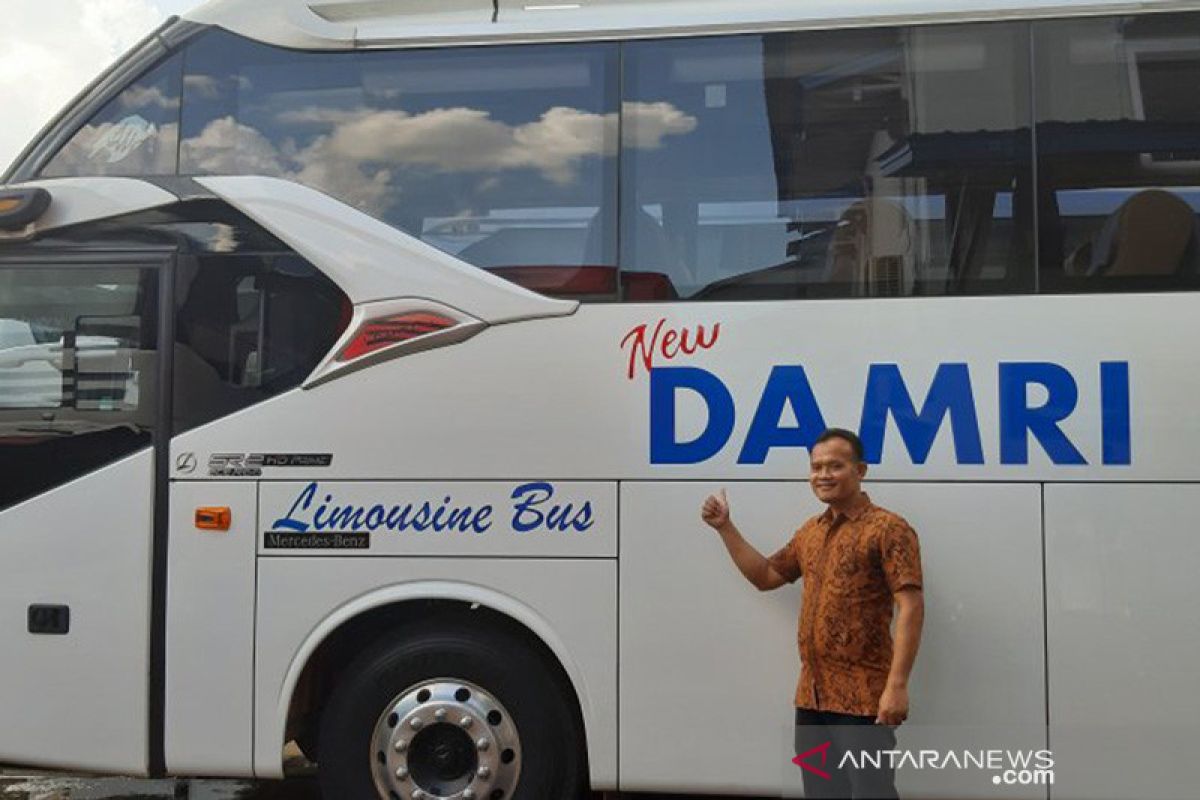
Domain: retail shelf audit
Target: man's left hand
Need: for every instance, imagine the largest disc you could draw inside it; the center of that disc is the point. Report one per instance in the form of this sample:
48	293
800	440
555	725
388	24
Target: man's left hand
893	706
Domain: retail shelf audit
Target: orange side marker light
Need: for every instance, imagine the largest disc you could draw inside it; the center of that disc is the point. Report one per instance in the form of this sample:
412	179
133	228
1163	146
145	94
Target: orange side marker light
213	518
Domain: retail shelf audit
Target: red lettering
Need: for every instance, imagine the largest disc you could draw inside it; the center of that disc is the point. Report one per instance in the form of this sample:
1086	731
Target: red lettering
640	348
645	346
700	343
669	350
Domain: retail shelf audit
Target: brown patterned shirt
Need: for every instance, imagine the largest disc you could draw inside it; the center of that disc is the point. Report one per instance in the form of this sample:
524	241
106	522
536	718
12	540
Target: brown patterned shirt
852	564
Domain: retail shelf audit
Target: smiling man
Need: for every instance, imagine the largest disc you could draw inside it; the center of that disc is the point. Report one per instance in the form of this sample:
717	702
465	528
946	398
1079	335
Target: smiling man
859	562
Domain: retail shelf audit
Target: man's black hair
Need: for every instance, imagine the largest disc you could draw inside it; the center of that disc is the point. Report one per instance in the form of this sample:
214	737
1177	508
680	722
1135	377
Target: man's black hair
841	433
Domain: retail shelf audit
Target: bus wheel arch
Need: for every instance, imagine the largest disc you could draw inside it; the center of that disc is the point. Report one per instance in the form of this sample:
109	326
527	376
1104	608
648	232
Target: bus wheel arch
360	624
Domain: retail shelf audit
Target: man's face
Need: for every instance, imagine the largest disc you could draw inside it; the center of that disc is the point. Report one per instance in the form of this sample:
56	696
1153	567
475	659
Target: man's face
834	472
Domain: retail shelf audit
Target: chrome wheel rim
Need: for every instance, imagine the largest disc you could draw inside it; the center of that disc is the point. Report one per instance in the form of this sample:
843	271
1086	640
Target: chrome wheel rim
445	739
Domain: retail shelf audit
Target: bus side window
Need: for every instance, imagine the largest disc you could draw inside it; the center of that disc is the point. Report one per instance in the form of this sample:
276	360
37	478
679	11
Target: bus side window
886	161
134	134
249	327
78	372
501	156
1119	167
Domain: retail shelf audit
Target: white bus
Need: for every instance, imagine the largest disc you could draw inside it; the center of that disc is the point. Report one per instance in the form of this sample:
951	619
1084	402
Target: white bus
363	366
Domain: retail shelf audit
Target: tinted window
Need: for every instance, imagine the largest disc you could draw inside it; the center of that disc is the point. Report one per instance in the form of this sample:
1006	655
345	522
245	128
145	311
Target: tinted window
252	319
249	327
872	162
136	133
77	371
864	162
502	156
1119	152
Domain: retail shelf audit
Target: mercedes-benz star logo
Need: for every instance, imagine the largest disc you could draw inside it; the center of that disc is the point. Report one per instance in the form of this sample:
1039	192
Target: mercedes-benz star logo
186	463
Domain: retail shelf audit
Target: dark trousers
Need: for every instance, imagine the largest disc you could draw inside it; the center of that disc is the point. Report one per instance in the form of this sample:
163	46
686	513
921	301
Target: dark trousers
845	733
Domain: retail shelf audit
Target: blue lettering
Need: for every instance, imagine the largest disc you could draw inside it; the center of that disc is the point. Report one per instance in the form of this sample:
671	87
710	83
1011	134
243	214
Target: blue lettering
302	502
561	517
918	422
397	518
345	518
438	524
527	517
787	385
420	520
583	520
1117	446
664	448
1017	419
375	518
319	515
556	517
950	393
460	519
446	517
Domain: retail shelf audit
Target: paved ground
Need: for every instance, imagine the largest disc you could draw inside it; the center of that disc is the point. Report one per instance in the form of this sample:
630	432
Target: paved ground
27	785
17	787
20	787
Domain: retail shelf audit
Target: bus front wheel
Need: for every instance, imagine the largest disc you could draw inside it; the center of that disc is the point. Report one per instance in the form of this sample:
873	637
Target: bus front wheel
459	712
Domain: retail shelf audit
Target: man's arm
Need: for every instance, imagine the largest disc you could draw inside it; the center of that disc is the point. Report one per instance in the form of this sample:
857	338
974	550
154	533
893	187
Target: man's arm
751	563
910	616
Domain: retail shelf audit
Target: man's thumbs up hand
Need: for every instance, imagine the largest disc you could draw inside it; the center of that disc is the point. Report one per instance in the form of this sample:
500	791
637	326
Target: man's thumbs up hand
715	510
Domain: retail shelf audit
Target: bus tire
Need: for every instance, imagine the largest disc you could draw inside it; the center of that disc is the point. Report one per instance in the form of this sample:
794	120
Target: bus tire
453	710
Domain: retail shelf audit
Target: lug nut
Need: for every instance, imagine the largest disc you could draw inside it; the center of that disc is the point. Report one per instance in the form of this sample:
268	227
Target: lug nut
465	722
483	772
482	744
402	773
400	745
468	794
416	723
440	714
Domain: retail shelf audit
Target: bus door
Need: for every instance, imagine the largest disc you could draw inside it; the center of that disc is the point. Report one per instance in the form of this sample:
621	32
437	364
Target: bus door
82	475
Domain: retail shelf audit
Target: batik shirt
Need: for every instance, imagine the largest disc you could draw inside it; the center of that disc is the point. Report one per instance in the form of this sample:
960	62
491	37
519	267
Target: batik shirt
852	565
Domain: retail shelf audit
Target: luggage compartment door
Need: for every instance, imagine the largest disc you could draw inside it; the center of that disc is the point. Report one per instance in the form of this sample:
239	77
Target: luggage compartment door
1123	643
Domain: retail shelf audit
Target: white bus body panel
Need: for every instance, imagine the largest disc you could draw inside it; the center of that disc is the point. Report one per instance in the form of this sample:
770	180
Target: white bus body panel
210	632
79	701
709	665
370	260
348	24
1123	644
567	400
553	398
569	603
